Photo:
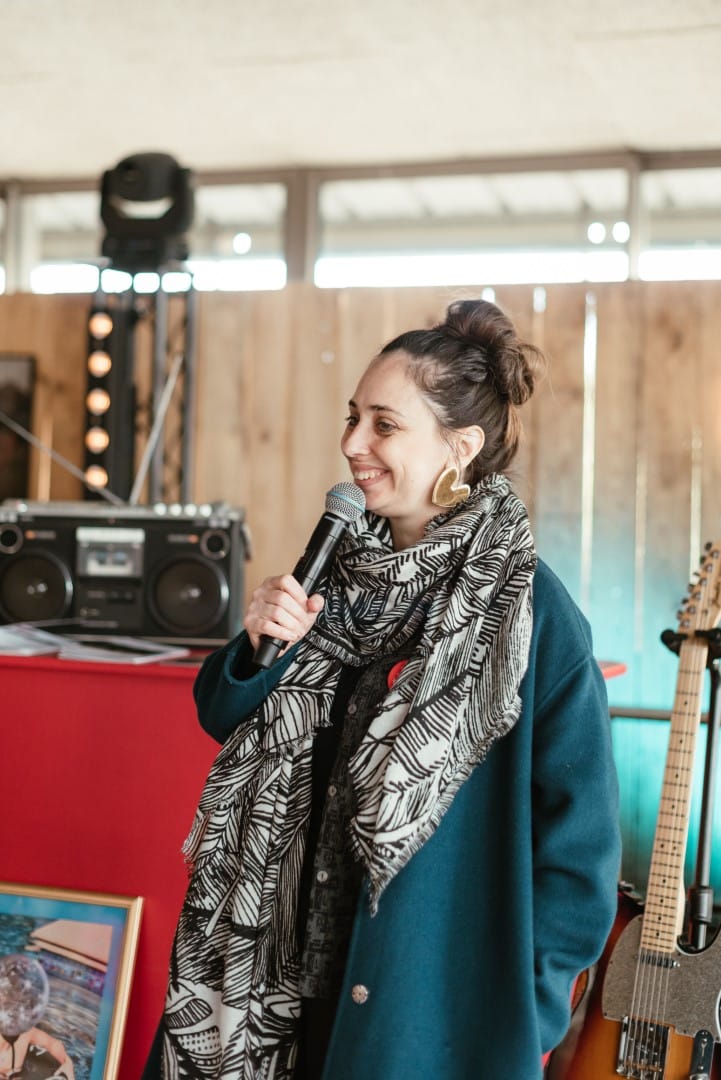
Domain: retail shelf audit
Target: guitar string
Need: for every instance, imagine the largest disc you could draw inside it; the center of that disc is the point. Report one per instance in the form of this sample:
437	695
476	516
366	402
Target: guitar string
652	989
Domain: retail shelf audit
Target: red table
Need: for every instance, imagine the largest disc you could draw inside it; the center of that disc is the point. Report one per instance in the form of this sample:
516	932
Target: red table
102	767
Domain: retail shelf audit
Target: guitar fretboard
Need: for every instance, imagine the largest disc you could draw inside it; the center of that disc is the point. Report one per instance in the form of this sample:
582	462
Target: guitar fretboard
665	882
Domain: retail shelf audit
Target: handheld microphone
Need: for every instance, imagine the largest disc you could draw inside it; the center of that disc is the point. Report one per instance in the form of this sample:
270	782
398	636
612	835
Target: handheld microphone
343	504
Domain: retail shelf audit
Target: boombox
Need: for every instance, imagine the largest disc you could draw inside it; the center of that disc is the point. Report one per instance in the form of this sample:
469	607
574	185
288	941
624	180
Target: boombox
167	573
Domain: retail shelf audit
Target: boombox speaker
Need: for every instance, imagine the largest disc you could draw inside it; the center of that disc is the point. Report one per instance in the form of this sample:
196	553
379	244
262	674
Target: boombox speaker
167	573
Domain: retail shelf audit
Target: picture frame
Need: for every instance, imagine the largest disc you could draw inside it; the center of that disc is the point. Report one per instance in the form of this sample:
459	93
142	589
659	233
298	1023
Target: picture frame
17	383
66	968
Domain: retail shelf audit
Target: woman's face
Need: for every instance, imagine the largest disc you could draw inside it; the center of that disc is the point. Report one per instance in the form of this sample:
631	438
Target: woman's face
395	448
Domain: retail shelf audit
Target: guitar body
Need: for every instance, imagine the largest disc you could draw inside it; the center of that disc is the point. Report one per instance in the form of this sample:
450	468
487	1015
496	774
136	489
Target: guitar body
591	1049
689	987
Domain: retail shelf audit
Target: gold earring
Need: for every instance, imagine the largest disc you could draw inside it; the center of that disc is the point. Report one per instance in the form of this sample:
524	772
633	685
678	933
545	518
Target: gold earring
447	491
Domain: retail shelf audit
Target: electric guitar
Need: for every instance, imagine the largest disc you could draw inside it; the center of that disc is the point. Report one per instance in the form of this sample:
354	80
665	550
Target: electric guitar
654	1012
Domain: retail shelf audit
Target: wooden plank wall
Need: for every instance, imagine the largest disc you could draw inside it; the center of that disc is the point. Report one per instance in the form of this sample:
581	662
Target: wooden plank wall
620	467
53	329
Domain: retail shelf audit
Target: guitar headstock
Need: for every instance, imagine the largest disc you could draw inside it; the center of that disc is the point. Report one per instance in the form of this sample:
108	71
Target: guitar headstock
701	610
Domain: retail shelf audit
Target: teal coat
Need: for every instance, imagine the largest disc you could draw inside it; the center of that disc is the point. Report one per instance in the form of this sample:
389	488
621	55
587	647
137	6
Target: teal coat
465	971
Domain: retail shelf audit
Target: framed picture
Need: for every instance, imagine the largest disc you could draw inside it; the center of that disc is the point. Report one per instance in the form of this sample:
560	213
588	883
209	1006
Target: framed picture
66	966
17	380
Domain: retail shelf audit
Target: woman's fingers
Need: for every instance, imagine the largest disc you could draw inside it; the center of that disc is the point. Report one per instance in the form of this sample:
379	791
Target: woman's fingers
279	608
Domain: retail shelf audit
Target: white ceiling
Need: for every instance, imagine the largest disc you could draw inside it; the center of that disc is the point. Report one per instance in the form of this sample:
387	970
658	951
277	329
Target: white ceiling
230	84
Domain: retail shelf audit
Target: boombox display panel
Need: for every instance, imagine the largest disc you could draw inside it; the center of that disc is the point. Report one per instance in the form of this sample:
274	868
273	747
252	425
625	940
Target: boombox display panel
167	573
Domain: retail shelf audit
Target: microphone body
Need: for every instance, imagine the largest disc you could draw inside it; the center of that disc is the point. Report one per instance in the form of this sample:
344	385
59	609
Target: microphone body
344	503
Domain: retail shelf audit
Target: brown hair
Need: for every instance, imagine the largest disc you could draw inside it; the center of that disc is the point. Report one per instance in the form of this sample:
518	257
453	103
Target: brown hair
474	369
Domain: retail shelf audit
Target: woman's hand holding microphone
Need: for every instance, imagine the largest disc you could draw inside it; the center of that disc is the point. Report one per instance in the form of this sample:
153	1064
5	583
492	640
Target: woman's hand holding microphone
280	609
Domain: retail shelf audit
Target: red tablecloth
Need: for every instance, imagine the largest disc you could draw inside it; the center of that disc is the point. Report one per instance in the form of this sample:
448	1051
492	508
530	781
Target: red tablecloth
102	767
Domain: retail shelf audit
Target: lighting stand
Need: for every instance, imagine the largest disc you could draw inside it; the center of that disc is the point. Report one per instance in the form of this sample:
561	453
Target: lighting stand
170	473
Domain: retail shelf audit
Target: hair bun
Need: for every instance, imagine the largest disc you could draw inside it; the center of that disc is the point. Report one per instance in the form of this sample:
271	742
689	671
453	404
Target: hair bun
509	363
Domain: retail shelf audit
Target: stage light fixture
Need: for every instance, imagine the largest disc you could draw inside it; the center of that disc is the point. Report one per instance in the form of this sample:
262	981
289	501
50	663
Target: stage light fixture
99	363
97	476
100	324
97	440
109	439
97	401
134	240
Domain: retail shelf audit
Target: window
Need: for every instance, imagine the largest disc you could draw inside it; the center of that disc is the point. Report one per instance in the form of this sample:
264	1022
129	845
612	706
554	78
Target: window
496	227
236	241
681	224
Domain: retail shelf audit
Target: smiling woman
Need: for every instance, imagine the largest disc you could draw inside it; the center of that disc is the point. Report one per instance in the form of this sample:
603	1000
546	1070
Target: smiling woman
408	846
394	448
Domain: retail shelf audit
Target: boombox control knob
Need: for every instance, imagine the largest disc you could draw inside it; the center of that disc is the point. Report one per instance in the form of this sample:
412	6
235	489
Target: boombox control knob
215	543
11	539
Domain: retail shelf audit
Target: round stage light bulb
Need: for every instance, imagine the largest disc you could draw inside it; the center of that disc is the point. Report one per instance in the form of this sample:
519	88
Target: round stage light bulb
596	232
97	440
242	243
621	232
99	364
100	324
98	402
97	476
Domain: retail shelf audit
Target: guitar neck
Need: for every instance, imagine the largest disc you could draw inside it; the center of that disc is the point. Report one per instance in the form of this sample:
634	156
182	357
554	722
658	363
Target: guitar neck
666	875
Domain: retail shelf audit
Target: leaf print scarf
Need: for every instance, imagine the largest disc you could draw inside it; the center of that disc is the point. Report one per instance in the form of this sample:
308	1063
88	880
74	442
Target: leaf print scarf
464	590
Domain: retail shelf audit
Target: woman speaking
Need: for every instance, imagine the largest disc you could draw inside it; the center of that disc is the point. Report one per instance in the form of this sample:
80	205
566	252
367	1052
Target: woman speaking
408	846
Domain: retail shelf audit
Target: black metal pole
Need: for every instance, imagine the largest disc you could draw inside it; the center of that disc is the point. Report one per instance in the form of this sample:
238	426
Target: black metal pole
187	433
160	352
700	896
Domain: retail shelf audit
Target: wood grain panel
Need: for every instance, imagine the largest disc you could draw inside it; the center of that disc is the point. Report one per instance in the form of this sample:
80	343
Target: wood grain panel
557	467
317	400
243	416
707	408
669	381
611	609
517	302
224	341
53	329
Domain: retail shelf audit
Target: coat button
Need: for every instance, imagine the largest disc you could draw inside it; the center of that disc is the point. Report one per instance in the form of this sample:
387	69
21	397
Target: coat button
322	876
359	993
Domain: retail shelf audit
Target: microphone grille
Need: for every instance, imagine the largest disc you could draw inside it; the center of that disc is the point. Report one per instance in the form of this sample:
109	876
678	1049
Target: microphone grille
346	501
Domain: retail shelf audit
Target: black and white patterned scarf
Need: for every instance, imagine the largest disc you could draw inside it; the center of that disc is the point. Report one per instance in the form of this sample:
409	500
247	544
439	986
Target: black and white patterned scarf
465	591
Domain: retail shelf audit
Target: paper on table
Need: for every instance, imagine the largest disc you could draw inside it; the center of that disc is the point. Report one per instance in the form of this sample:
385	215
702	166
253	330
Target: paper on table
119	650
24	639
19	639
